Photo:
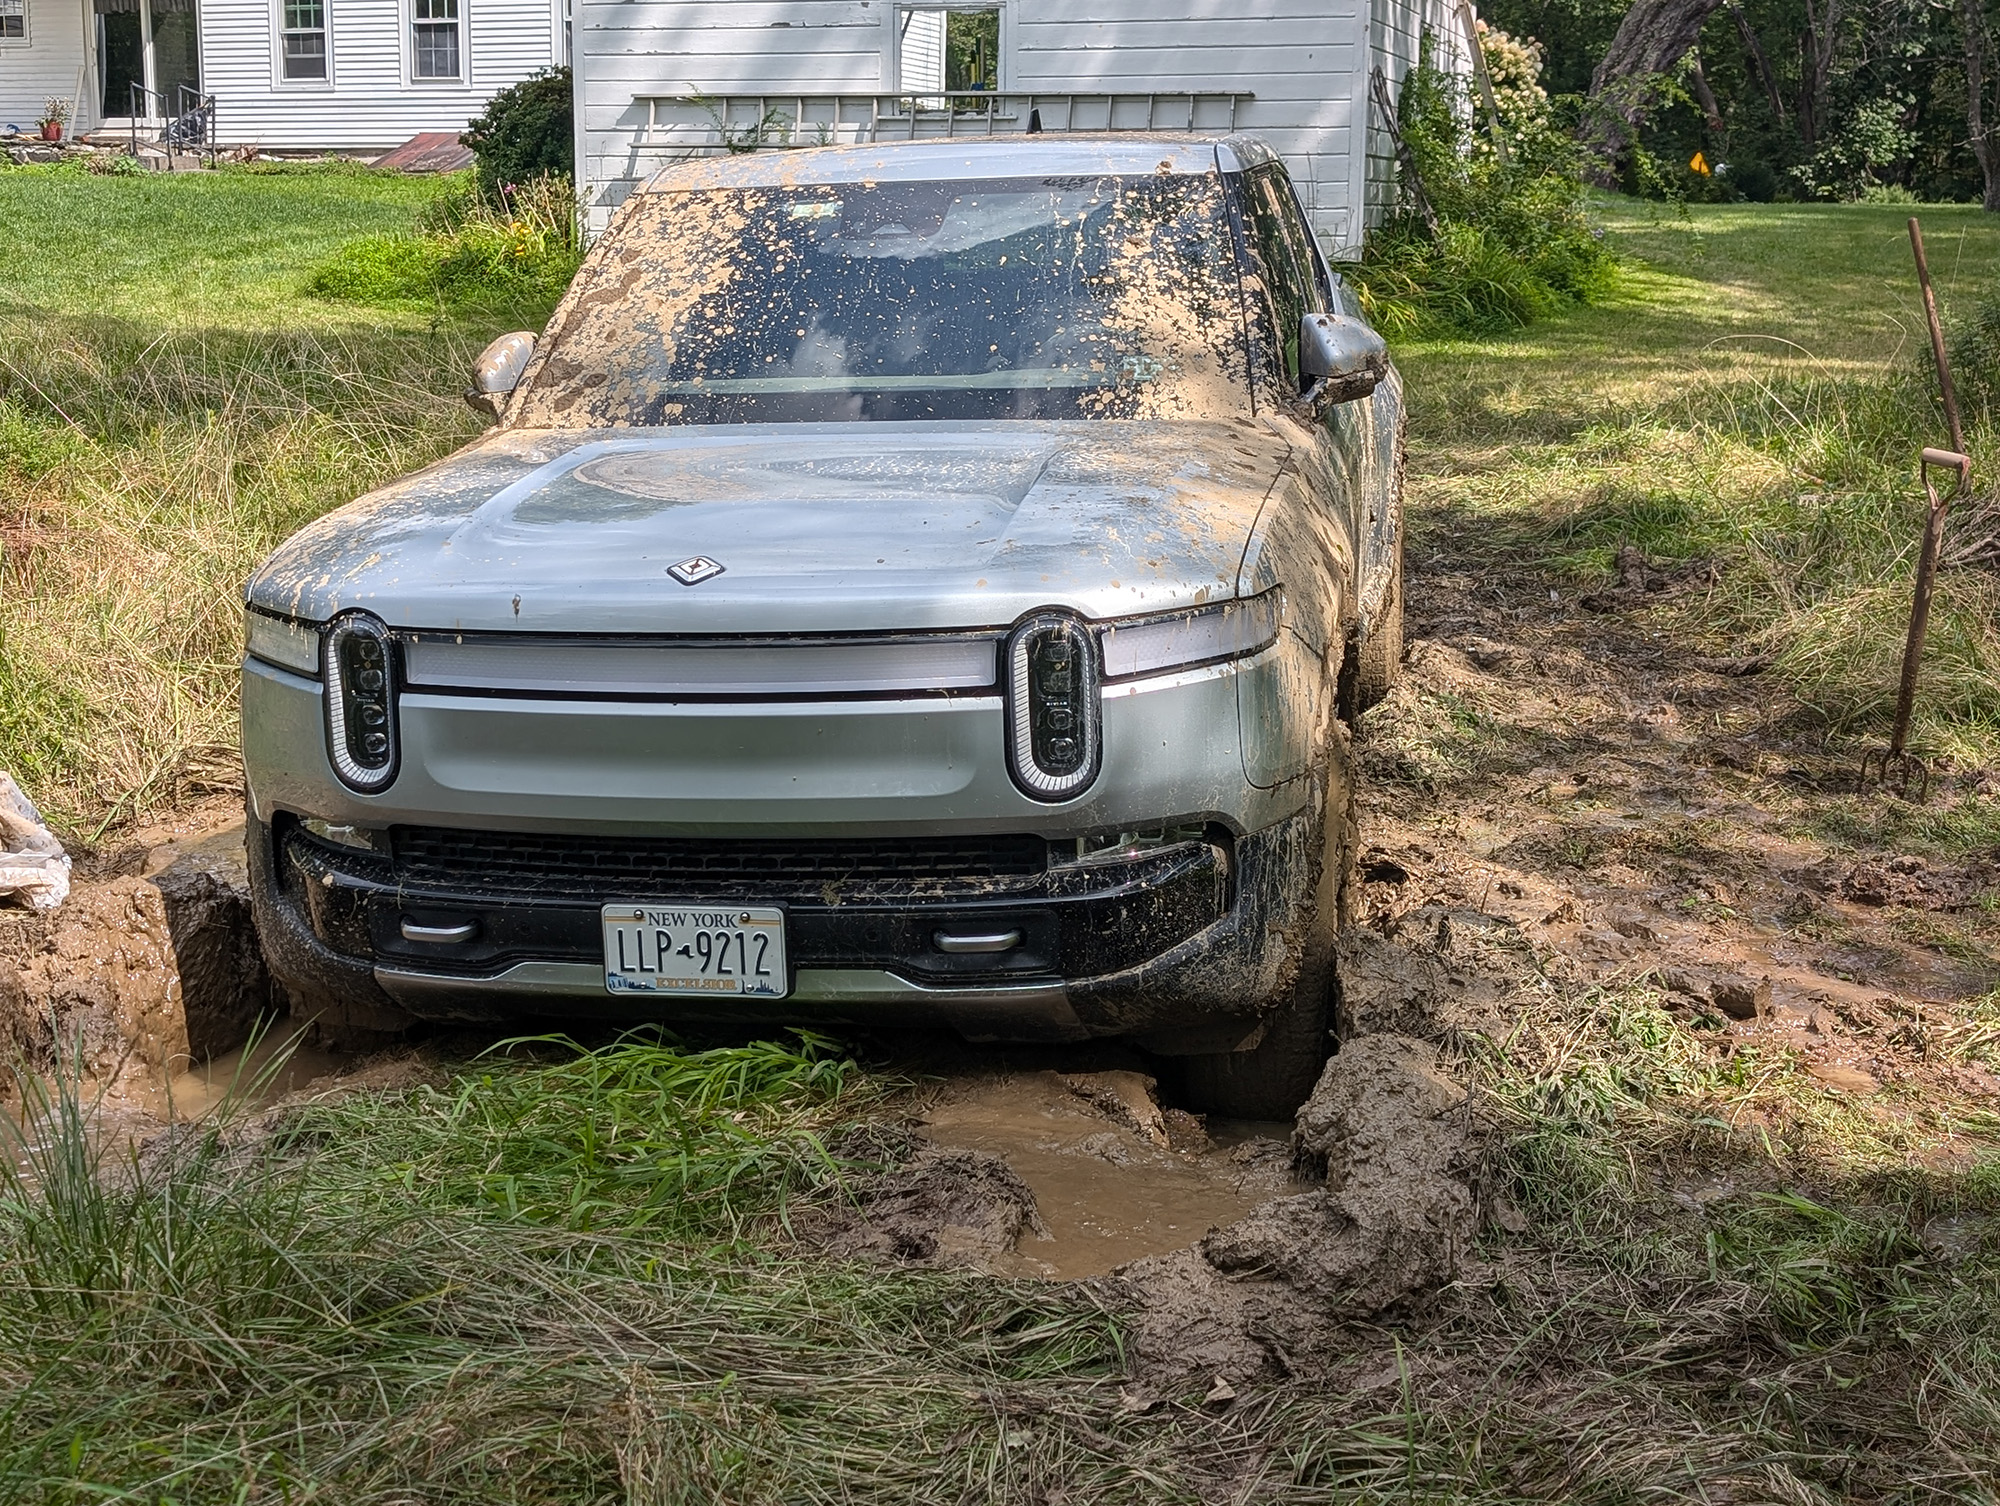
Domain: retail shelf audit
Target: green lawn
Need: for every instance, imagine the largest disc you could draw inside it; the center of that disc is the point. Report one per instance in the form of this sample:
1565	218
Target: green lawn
1757	391
171	406
221	250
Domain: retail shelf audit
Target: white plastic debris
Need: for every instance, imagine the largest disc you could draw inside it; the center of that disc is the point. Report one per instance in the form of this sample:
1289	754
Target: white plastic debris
33	866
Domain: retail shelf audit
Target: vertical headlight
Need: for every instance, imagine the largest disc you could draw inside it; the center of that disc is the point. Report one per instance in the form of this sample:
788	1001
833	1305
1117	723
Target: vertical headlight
360	670
1053	707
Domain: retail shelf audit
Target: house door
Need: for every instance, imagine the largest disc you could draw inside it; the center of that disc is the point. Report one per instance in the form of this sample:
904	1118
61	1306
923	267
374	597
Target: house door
149	57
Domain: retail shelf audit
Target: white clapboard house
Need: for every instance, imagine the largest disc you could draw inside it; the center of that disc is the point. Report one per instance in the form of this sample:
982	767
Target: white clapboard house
312	75
662	79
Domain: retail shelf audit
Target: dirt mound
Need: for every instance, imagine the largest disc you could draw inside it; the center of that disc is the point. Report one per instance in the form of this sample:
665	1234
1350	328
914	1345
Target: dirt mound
1416	985
942	1207
1910	882
148	969
1394	1139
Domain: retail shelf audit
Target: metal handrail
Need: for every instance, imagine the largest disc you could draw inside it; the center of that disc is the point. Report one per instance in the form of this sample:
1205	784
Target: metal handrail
747	122
192	122
137	95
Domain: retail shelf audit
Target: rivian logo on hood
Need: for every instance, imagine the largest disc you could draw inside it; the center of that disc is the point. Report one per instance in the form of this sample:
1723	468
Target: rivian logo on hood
692	572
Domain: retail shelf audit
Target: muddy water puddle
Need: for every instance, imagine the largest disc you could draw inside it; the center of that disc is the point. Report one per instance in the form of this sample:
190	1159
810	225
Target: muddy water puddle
1114	1177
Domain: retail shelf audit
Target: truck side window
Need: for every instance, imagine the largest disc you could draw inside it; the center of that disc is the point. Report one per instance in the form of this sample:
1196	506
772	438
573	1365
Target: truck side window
1285	262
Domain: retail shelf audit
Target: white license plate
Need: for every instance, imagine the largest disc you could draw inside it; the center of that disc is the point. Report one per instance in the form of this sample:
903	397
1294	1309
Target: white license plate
688	949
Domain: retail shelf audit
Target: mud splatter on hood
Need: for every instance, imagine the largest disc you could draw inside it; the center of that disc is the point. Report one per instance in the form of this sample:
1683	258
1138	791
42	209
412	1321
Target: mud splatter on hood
818	527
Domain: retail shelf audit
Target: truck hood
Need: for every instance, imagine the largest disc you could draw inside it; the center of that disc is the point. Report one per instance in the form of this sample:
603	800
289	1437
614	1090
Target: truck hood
817	527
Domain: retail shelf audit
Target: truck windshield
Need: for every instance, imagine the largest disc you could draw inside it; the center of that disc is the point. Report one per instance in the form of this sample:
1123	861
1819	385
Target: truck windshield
1092	297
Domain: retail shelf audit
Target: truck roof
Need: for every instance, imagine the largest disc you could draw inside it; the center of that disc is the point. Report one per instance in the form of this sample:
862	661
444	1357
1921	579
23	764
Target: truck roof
1017	155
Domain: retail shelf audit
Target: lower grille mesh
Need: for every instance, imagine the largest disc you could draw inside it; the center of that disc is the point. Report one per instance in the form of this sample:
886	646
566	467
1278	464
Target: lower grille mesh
694	868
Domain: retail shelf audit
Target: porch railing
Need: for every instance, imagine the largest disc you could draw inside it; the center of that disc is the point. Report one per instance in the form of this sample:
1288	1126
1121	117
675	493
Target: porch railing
188	127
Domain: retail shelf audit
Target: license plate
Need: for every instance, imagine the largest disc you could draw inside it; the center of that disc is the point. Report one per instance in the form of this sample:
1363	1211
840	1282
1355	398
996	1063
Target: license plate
676	949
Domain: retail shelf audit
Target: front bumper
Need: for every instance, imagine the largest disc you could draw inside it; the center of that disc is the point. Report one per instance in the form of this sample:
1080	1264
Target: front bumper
1183	946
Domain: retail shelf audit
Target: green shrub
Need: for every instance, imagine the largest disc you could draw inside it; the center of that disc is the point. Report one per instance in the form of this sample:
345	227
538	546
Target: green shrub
379	269
466	254
1973	343
1478	244
524	135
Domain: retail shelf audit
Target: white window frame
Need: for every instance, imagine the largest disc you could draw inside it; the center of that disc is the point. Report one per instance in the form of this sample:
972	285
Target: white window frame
27	36
892	62
410	21
278	79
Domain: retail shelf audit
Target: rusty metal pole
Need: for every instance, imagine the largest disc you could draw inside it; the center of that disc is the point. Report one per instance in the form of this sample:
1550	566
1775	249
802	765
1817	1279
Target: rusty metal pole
1927	556
1937	339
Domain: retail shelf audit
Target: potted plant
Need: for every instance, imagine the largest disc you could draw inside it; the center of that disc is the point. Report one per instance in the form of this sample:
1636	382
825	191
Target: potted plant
56	112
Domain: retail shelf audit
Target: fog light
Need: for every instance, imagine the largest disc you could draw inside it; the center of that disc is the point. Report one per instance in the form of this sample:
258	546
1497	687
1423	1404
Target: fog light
1053	707
360	673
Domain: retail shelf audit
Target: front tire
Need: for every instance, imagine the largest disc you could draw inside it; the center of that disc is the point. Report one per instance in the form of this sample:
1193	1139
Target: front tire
1272	1078
1380	655
1275	1076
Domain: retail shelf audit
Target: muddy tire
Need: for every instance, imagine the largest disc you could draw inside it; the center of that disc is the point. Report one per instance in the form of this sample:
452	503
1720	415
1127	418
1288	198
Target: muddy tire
1274	1077
1379	658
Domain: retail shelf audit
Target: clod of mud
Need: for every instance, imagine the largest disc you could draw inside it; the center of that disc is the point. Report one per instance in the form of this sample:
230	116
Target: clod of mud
1415	986
1910	882
1264	1297
943	1207
144	971
1738	997
1127	1097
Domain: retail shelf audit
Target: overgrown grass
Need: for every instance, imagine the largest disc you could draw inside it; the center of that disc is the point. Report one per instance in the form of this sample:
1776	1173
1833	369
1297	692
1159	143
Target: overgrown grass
1757	391
1727	1289
171	406
465	255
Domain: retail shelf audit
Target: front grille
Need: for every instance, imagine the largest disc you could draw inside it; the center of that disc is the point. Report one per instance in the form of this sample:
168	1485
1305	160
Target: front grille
823	869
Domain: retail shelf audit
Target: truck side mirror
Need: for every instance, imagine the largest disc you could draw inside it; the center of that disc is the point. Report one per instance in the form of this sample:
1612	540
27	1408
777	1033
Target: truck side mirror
1342	356
498	370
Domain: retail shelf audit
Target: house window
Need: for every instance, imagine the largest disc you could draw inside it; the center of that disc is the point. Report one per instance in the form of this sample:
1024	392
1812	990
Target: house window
434	38
947	49
13	20
303	39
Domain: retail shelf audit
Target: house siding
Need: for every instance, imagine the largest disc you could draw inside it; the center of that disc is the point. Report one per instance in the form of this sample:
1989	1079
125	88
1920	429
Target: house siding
1306	62
49	62
368	100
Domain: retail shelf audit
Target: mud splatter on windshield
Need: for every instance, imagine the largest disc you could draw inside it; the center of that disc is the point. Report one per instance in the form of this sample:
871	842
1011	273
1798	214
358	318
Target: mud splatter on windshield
1032	298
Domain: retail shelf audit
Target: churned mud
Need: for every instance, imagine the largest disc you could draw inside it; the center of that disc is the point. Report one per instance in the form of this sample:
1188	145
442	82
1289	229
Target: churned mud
1637	812
1113	1176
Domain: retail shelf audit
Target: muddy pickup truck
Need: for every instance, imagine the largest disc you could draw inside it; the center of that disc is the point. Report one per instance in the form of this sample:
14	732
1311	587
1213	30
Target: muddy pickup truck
905	586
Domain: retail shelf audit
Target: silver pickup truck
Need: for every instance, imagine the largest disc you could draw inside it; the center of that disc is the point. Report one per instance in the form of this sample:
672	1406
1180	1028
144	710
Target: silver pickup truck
923	585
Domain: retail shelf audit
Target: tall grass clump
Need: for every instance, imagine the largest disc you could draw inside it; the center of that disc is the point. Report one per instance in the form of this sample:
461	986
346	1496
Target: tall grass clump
143	475
519	249
641	1135
330	1308
1477	243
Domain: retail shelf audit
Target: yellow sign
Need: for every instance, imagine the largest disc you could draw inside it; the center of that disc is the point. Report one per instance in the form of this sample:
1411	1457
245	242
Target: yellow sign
1699	163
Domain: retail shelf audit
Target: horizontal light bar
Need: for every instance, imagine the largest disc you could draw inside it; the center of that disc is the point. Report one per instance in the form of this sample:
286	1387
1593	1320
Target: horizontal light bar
283	642
449	662
1182	640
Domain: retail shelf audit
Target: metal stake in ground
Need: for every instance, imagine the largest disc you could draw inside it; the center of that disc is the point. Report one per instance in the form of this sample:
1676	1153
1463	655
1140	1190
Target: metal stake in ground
1896	756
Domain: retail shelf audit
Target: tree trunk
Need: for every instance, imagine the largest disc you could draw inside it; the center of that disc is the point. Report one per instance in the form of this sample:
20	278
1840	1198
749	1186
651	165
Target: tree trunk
1972	26
1816	47
1759	64
1653	37
1711	111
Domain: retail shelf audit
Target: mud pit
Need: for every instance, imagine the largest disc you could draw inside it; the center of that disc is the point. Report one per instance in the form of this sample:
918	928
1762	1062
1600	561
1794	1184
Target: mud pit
1112	1176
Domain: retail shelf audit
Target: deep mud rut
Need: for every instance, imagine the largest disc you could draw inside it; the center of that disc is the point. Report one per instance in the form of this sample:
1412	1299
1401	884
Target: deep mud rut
1557	793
